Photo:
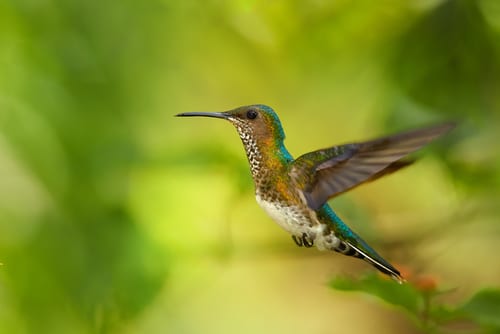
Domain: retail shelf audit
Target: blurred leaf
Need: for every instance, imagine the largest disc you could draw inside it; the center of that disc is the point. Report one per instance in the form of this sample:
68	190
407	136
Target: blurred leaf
449	60
442	313
403	295
484	307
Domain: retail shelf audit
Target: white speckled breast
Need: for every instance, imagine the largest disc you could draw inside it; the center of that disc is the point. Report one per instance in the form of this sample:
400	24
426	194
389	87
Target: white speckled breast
293	221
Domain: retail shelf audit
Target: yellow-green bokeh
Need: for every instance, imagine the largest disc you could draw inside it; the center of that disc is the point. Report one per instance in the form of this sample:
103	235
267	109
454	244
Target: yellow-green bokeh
116	217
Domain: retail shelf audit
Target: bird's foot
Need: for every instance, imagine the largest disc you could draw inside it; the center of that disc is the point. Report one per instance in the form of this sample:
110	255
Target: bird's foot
297	240
306	241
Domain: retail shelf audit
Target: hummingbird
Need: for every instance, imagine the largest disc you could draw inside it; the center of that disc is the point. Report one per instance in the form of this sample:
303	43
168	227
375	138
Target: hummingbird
294	192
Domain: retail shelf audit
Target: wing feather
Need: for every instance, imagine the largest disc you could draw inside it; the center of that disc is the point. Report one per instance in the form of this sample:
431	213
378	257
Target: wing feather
329	172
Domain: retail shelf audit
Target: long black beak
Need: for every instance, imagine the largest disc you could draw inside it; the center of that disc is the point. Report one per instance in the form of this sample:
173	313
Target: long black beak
204	114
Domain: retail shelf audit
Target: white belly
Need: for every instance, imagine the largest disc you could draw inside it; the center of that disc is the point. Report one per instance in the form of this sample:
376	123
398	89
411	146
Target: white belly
295	222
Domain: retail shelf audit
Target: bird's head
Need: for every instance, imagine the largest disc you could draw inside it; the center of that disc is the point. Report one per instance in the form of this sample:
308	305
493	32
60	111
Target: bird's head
257	122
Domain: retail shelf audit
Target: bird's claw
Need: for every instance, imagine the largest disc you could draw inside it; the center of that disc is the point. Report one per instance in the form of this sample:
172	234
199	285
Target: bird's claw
297	240
304	240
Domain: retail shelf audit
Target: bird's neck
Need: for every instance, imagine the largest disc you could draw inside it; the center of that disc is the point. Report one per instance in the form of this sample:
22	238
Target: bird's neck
266	157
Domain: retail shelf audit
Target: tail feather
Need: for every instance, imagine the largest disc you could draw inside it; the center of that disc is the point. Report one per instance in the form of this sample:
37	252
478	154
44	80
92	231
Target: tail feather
382	265
349	243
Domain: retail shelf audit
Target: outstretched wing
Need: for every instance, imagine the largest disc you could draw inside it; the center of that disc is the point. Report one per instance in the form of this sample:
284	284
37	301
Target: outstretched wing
329	172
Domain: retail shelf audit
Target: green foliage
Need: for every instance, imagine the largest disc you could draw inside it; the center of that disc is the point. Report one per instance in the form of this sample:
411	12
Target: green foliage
484	308
403	295
422	302
429	75
112	211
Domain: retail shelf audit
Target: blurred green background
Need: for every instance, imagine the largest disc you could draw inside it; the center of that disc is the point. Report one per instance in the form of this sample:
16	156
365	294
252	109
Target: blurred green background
116	217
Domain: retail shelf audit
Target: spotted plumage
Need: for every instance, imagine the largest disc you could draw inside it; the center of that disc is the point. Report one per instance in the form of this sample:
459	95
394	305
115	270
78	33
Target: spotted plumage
294	193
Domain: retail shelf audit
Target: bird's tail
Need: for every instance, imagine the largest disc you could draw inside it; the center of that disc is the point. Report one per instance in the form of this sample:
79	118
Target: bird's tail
373	258
351	244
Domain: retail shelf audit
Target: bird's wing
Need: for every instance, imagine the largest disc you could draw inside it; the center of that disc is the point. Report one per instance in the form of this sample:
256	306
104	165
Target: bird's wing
329	172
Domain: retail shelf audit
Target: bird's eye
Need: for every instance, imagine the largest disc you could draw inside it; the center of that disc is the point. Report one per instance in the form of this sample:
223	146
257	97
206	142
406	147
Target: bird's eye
252	114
